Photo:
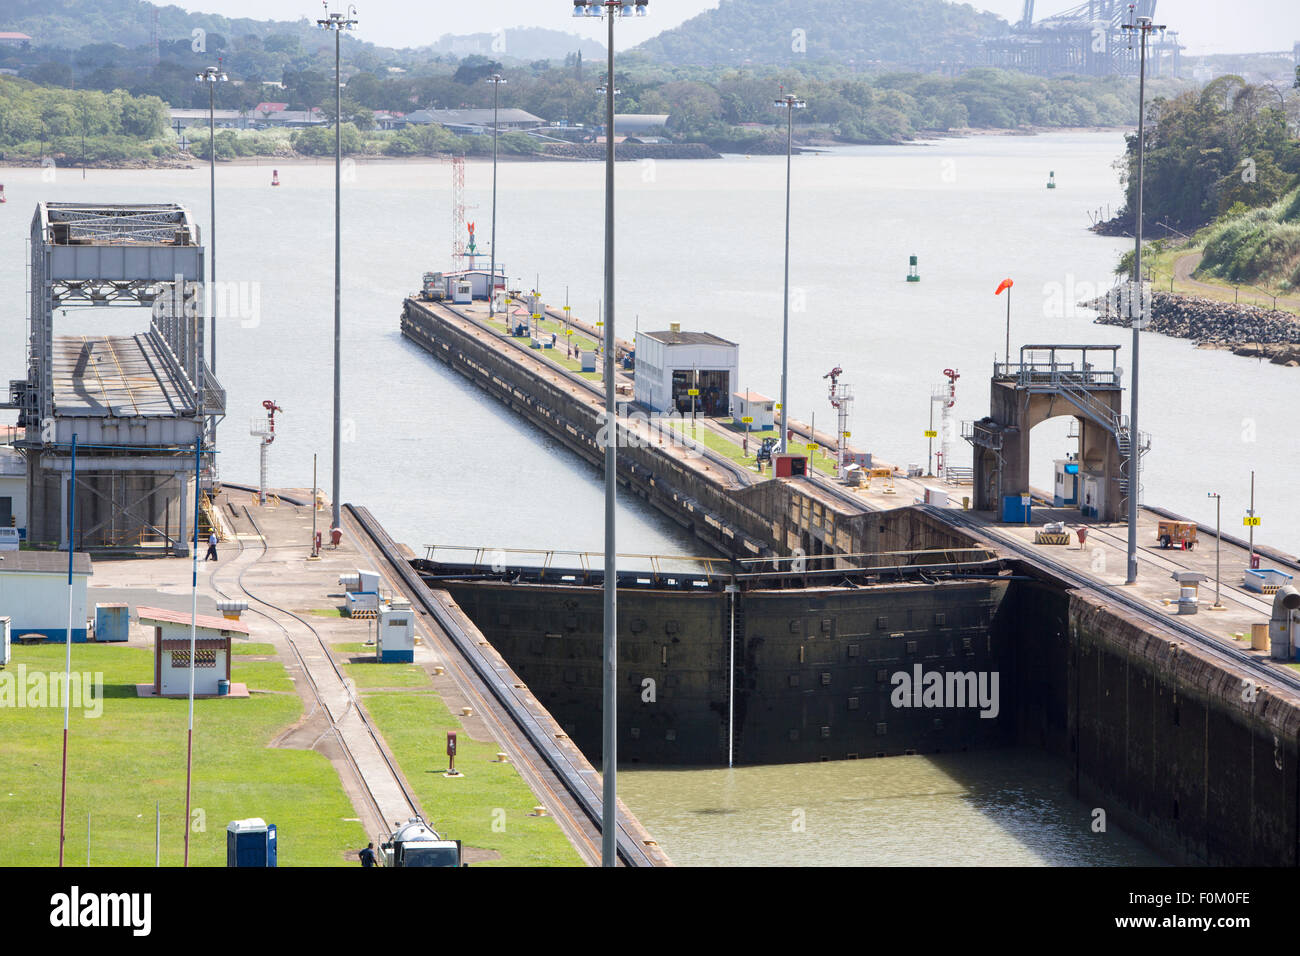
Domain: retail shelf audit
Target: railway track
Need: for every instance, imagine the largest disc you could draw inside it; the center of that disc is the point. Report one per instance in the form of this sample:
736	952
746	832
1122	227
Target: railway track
1232	592
380	824
550	768
1212	645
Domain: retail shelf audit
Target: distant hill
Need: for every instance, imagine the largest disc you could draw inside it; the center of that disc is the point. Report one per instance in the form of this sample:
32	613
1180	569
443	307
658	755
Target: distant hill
521	43
858	32
78	23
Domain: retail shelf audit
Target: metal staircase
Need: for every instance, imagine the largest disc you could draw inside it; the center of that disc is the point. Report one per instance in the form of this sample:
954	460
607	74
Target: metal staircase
1124	442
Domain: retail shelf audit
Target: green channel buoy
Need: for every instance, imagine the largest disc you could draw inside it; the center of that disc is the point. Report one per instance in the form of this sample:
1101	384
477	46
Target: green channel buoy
1051	180
912	274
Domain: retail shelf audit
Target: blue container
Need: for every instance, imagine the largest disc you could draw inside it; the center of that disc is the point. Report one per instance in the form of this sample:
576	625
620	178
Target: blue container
223	687
112	623
250	843
1013	512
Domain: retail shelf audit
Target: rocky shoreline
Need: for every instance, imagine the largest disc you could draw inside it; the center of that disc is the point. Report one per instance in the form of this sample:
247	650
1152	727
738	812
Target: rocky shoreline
1245	330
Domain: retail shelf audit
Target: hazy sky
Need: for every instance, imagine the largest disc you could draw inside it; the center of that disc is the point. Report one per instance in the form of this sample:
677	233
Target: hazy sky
1205	26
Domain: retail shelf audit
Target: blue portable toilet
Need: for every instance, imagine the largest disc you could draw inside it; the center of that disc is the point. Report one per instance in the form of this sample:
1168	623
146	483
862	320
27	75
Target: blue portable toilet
250	843
112	623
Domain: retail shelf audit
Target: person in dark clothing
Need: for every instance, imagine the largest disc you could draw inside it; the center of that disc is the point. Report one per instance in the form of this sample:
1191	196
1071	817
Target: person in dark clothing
212	547
368	855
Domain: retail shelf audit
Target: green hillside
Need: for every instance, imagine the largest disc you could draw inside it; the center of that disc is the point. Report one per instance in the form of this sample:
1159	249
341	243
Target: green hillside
863	33
1260	246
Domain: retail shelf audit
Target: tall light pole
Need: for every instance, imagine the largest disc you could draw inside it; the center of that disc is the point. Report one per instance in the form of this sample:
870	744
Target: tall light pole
789	103
212	76
1143	26
610	9
338	22
1218	542
496	79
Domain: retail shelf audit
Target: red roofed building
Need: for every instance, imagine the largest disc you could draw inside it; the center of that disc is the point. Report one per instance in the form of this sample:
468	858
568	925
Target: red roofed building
171	668
15	39
267	108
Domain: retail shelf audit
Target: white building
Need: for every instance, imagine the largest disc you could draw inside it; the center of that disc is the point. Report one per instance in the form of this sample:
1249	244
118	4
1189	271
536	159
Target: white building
760	409
13	490
171	670
669	365
34	593
478	279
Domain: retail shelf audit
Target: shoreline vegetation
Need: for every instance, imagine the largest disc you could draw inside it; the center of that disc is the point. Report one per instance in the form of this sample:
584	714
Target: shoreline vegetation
554	152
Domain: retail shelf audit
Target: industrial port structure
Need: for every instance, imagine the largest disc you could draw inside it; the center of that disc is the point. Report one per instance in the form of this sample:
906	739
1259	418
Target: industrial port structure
1086	39
138	403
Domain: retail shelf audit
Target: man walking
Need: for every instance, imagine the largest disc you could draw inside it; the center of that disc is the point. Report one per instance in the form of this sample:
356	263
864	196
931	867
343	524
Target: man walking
368	855
212	547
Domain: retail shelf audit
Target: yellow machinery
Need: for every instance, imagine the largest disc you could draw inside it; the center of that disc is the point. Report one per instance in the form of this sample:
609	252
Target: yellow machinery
885	473
1176	534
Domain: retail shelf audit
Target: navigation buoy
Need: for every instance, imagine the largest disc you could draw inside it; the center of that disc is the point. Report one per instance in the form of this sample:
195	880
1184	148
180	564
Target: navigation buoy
2	193
1051	180
275	177
912	274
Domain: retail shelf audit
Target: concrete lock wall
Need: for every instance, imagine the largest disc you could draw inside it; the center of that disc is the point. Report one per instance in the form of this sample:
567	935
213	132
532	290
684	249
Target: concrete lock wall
737	521
1174	747
1158	737
815	669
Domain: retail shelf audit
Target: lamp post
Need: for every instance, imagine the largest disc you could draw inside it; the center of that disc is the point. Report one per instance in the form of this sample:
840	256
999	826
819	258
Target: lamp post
496	79
1218	541
610	9
1143	26
337	22
212	76
789	103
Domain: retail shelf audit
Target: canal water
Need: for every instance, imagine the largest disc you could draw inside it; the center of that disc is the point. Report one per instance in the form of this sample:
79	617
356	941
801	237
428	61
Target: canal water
700	242
1008	808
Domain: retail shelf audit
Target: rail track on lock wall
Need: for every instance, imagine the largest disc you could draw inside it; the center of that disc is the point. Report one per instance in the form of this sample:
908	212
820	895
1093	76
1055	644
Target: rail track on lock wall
566	777
1213	646
318	700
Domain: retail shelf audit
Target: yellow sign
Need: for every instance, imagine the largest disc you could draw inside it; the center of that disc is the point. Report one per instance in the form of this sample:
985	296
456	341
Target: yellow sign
566	308
692	392
1251	522
848	434
599	324
931	434
747	420
778	406
811	446
536	316
568	331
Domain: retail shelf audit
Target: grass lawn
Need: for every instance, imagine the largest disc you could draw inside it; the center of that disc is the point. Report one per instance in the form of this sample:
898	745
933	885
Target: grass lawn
241	649
733	448
132	755
489	806
368	673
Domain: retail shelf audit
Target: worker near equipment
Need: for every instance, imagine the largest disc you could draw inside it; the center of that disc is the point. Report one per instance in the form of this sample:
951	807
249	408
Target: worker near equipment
368	855
212	547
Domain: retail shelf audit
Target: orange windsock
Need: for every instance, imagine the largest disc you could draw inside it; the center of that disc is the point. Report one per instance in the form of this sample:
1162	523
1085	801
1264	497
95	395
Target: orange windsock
1004	284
